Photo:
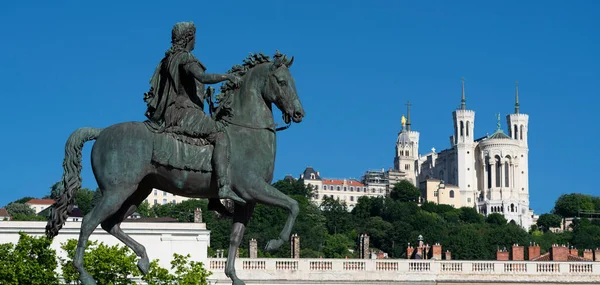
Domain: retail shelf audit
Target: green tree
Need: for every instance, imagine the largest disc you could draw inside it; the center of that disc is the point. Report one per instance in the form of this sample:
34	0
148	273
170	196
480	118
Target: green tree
30	261
16	208
144	209
470	215
547	221
84	200
338	218
56	190
569	205
107	264
294	188
21	217
186	272
496	219
404	191
336	246
466	242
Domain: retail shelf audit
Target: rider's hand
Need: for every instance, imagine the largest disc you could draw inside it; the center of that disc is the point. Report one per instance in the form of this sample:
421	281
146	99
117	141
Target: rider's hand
234	79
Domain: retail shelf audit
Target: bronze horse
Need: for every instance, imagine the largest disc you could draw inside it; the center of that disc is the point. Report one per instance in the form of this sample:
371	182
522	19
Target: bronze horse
123	167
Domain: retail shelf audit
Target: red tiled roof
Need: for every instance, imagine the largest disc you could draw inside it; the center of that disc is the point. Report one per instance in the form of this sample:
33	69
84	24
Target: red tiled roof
3	213
341	182
41	201
570	257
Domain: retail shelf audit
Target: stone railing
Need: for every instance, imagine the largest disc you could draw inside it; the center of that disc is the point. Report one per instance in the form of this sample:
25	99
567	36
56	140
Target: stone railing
384	271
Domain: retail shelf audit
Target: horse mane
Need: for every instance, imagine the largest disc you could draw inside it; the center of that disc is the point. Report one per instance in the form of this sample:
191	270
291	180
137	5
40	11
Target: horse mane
240	70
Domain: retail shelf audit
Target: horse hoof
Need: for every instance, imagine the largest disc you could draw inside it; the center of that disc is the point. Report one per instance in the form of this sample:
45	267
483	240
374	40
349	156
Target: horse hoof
144	265
273	244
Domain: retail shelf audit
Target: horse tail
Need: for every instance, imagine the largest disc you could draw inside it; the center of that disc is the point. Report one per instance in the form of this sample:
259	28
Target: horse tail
71	180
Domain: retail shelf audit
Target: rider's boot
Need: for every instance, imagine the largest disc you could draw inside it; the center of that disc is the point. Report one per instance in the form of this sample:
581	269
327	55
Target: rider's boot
221	168
214	204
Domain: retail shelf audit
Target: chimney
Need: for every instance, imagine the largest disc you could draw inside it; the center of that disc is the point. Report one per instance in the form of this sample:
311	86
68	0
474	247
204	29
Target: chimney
198	215
502	255
364	246
533	251
559	253
518	252
597	254
436	251
295	246
588	254
574	251
448	255
253	249
409	251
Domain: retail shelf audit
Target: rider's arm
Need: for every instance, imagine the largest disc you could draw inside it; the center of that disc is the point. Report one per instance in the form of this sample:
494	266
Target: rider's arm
206	78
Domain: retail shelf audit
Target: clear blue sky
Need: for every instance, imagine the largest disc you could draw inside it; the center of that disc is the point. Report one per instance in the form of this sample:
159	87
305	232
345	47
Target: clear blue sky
70	64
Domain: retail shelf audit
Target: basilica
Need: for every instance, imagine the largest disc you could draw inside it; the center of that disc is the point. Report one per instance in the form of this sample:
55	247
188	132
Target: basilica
489	173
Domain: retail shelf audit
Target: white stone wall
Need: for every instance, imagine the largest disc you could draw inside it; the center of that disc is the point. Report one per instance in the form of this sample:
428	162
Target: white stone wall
403	271
160	239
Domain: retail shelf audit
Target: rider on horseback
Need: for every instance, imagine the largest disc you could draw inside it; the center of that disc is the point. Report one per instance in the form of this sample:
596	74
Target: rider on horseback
176	103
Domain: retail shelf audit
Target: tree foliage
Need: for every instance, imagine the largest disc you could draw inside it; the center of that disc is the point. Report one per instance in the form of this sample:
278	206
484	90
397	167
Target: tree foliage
186	272
404	191
569	205
17	208
547	221
30	261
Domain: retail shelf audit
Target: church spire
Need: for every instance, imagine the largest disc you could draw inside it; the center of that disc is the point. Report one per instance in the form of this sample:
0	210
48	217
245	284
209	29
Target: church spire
408	115
517	98
463	101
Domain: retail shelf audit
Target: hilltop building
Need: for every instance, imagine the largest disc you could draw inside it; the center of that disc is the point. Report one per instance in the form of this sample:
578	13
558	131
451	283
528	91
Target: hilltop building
489	173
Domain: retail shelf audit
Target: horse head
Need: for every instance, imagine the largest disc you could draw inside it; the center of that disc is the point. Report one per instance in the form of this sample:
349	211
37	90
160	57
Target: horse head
281	89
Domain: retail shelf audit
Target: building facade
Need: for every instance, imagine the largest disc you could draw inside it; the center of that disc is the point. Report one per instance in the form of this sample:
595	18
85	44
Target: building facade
489	173
159	197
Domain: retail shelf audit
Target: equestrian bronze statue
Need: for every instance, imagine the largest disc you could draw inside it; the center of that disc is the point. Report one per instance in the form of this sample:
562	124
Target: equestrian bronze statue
227	154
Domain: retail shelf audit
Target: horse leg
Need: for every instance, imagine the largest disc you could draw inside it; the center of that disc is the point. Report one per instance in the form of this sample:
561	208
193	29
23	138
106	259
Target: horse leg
113	226
241	216
272	196
107	206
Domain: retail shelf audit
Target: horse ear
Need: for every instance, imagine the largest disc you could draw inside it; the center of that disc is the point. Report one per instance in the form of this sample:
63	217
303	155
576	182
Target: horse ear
289	63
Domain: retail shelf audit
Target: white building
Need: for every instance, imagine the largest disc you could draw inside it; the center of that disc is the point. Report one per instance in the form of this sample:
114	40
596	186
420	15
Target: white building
491	172
158	196
39	205
346	190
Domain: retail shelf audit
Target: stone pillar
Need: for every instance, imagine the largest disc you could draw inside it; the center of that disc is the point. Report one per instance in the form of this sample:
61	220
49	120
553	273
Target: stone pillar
502	255
597	254
409	251
436	250
486	177
295	246
448	255
588	254
518	252
533	251
253	249
574	251
363	246
559	253
198	215
502	174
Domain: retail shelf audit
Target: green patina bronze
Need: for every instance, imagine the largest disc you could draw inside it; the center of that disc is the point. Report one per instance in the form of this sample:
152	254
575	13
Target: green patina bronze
180	149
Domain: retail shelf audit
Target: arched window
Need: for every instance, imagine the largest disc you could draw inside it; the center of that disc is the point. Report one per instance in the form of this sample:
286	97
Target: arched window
406	152
521	132
506	175
451	193
338	188
462	128
512	207
498	170
516	133
468	127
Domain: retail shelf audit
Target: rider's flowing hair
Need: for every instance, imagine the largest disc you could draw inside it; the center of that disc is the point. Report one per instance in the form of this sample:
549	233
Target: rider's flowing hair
181	35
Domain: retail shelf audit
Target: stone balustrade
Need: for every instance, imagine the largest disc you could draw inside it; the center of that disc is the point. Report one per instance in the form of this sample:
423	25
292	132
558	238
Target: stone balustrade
388	271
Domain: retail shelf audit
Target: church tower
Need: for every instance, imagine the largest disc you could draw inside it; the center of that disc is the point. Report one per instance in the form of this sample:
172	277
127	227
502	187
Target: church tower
518	125
464	175
407	149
